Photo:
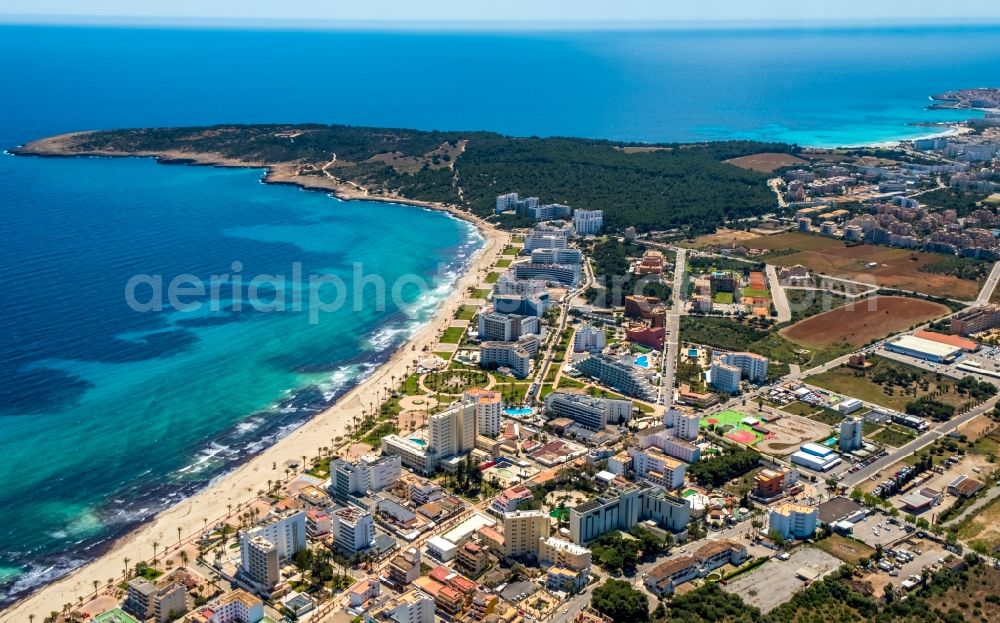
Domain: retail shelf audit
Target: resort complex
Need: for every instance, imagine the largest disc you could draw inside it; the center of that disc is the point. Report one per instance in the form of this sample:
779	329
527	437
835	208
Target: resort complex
788	414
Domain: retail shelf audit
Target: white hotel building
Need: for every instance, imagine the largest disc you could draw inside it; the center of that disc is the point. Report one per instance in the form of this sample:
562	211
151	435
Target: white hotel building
588	222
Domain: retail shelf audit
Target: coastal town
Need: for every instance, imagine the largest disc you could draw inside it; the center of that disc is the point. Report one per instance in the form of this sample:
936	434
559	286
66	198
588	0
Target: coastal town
614	424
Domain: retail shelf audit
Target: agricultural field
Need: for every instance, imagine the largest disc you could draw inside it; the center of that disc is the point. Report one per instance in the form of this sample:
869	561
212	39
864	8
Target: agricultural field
879	384
766	162
896	268
807	303
860	323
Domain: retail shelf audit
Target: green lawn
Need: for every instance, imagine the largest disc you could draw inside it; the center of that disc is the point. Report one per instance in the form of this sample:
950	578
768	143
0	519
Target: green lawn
894	436
754	293
503	263
444	355
723	298
492	277
512	391
799	408
453	335
550	375
510	250
480	293
830	417
411	387
850	551
466	312
568	382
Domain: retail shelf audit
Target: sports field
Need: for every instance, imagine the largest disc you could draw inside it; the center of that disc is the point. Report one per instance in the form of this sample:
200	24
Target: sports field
730	424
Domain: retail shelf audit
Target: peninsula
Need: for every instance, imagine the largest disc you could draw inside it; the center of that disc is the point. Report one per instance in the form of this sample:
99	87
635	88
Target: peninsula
650	187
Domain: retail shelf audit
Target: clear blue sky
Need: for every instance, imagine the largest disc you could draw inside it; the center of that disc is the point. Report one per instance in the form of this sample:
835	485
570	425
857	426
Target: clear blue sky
609	13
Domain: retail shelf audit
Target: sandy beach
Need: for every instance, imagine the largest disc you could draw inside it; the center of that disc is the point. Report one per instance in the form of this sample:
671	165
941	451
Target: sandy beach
240	486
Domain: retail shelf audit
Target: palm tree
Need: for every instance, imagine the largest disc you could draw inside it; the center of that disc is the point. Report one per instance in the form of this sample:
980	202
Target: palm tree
126	561
96	583
184	558
156	546
178	536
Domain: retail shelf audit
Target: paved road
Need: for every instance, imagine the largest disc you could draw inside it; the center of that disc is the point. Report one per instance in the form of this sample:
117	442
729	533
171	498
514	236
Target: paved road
927	438
775	184
673	327
555	334
975	506
989	286
778	296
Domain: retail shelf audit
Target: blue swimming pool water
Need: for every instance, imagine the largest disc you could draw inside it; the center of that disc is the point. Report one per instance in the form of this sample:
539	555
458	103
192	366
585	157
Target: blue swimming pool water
520	411
642	361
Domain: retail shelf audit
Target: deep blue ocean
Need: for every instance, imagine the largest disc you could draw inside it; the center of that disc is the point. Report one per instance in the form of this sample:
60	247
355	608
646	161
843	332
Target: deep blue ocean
108	415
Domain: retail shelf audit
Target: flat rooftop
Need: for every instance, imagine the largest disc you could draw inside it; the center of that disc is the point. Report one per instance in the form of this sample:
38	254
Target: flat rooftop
927	347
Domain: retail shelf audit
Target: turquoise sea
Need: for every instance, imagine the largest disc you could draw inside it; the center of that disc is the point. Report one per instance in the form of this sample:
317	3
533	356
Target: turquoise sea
108	415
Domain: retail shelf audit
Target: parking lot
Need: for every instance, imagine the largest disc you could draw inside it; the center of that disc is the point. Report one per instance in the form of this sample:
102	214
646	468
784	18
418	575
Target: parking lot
774	582
878	529
516	591
926	554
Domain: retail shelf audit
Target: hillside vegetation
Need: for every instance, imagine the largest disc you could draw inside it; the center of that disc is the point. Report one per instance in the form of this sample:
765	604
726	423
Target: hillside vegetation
656	187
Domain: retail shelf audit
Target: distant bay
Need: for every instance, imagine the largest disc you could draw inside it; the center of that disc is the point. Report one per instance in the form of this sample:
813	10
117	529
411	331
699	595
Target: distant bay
107	415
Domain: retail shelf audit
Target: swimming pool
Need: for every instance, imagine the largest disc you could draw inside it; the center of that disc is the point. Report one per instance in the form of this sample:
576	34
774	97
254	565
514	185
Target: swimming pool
418	441
692	352
642	361
520	411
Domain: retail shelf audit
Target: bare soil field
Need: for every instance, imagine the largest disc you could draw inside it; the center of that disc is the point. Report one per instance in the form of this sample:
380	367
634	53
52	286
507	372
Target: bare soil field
766	162
862	322
977	427
722	236
788	433
896	268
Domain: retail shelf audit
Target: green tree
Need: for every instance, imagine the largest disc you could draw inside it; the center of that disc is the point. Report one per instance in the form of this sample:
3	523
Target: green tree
618	600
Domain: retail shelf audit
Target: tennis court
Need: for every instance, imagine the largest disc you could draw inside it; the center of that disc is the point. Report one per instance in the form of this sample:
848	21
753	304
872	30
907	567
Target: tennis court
730	424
